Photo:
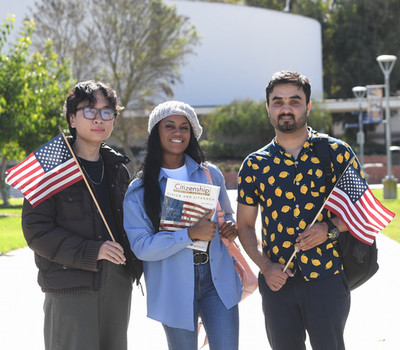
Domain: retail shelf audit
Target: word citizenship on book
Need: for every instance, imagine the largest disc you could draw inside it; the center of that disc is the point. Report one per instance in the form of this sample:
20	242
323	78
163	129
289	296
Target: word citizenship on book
185	203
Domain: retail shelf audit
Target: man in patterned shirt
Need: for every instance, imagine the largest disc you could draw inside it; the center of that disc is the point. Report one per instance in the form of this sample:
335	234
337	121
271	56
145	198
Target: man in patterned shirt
286	179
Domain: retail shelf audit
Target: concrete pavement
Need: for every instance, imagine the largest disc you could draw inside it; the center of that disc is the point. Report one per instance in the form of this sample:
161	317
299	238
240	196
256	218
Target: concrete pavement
372	323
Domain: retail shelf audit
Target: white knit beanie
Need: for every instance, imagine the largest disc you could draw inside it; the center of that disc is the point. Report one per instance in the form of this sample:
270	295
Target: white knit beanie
168	108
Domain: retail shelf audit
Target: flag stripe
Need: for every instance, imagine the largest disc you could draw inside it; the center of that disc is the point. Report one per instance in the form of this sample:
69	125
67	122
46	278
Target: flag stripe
373	217
354	213
378	205
21	172
40	184
56	188
46	171
355	204
188	216
352	226
346	211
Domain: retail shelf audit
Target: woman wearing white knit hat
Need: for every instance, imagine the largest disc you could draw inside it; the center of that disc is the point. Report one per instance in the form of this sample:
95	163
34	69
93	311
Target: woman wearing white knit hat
181	283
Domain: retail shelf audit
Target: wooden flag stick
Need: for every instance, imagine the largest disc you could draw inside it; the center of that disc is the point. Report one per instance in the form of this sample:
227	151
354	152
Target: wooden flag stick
316	216
87	184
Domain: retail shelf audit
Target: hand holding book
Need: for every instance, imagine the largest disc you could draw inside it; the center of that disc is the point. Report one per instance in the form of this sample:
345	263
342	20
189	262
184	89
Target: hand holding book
190	205
204	229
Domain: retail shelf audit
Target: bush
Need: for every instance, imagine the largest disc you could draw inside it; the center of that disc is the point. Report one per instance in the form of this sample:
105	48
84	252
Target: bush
218	150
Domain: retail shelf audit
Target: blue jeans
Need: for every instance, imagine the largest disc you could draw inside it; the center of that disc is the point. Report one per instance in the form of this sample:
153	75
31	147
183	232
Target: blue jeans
221	324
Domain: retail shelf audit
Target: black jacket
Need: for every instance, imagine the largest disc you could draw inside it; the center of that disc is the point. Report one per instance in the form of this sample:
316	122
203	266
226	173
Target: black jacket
65	230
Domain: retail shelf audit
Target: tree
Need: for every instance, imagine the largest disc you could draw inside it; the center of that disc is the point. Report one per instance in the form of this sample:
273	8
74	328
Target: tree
67	25
269	4
32	92
354	33
357	32
137	45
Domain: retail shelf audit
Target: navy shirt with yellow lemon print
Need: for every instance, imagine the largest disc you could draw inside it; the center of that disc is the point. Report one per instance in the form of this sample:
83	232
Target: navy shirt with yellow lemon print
290	192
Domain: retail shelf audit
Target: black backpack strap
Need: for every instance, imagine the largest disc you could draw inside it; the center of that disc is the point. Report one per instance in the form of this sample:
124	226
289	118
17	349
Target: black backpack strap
322	150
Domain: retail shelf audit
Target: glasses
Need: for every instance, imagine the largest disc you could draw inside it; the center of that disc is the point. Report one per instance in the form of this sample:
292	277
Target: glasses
91	113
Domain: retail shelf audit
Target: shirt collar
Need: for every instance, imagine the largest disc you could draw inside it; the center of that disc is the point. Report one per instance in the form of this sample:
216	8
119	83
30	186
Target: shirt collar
313	136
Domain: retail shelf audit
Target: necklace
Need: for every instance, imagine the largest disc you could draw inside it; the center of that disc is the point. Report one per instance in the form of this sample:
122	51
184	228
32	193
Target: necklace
102	173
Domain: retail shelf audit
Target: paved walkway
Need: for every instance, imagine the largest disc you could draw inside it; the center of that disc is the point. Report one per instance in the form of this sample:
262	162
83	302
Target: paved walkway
372	325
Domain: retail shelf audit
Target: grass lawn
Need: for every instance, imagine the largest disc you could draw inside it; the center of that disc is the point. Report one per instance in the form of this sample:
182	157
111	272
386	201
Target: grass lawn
11	236
393	229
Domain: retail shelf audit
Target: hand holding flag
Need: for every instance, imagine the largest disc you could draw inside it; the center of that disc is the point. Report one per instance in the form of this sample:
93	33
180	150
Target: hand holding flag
354	203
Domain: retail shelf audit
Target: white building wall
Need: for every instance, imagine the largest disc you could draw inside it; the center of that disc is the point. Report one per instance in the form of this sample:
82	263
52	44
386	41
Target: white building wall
241	47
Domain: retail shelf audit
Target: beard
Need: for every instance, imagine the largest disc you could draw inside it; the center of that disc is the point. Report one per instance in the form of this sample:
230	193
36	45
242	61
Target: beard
291	125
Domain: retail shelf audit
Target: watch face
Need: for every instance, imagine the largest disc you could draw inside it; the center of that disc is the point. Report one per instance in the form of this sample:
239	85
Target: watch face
335	233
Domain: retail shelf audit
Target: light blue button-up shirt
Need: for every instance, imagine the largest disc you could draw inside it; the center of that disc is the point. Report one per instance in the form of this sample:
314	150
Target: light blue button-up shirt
168	264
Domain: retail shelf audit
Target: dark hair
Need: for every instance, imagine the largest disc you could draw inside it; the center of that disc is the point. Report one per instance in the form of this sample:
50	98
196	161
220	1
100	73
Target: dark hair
85	91
150	170
289	77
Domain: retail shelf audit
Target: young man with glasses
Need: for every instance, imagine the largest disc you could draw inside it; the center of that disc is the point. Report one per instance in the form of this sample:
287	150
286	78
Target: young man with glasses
86	275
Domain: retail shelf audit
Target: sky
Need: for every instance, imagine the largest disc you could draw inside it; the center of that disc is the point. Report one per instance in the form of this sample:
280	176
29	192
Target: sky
17	7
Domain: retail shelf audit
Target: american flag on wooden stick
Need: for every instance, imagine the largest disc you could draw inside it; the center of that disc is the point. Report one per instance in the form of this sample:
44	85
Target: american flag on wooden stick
177	214
352	201
45	172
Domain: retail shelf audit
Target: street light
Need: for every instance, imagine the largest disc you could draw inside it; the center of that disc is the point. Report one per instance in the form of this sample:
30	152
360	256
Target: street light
359	93
386	62
287	7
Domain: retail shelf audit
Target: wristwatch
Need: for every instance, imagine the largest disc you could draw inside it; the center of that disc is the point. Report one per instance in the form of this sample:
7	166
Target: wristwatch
333	231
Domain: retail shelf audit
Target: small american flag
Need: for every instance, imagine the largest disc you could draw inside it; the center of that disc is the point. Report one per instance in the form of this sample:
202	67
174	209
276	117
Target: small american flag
352	201
45	172
178	214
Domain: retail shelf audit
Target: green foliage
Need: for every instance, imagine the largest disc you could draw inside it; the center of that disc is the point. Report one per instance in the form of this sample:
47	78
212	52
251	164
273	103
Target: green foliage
11	234
269	4
32	90
354	33
225	1
136	46
319	119
393	229
357	32
236	129
219	150
241	127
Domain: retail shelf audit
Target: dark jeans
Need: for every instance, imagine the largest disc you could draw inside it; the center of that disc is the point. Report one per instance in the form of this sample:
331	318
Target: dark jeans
319	307
93	320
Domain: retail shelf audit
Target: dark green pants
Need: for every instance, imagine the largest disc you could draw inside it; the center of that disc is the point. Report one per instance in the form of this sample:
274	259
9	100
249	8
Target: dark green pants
93	320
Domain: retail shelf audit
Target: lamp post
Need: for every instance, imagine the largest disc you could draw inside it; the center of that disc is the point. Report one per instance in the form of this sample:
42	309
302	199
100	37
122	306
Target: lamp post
287	7
386	62
359	93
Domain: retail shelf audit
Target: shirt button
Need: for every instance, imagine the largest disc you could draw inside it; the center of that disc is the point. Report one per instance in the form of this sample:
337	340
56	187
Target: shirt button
297	183
296	162
64	267
297	205
297	228
99	237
